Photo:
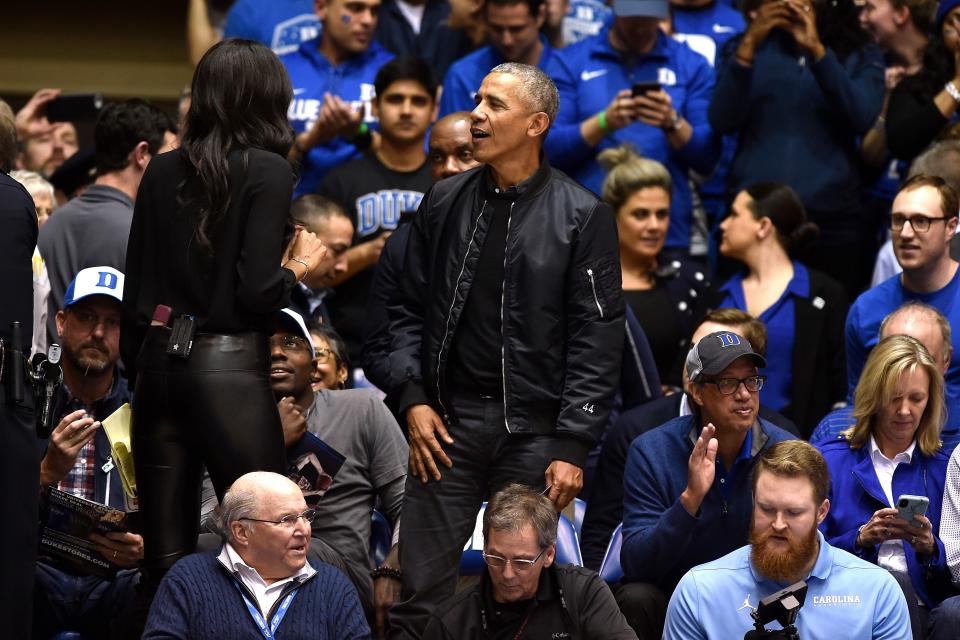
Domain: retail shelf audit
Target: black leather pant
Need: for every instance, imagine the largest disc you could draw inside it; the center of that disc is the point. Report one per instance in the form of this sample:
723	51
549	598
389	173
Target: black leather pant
214	408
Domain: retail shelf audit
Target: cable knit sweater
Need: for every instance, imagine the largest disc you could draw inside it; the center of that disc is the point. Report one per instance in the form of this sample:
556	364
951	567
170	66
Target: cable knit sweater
198	600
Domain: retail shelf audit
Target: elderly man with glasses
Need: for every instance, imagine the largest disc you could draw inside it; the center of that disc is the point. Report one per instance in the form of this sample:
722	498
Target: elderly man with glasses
260	582
923	220
687	483
522	592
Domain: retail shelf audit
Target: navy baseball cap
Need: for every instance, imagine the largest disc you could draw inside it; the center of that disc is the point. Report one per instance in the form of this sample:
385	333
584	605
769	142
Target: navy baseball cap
659	9
716	351
95	281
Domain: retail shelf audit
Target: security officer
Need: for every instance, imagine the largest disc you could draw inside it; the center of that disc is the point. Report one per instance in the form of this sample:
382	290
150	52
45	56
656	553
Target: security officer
18	449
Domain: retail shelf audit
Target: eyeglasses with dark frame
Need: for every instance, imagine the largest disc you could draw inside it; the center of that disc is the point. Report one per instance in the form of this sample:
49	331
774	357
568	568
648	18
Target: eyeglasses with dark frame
289	521
919	222
520	565
729	386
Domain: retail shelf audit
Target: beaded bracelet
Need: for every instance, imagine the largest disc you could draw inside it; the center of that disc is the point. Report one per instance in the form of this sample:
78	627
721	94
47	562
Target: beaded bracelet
385	571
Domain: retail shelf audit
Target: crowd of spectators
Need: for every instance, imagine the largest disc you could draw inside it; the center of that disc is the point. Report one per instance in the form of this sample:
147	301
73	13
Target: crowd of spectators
758	162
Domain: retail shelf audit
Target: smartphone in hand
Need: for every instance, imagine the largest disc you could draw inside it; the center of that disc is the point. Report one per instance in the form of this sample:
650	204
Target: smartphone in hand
910	506
74	107
641	88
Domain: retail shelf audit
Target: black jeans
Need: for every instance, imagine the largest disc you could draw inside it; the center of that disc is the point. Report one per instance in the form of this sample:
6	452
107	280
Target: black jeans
439	517
214	408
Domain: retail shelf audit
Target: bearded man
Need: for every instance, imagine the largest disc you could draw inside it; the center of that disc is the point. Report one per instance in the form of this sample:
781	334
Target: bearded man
844	595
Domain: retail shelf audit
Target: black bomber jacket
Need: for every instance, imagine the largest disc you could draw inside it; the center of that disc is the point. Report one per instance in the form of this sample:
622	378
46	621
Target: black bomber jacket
563	310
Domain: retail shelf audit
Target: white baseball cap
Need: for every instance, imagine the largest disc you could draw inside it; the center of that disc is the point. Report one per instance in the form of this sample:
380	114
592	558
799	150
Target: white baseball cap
95	281
291	320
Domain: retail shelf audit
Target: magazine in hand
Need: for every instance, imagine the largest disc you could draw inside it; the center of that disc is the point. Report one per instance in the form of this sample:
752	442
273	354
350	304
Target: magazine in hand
312	464
66	522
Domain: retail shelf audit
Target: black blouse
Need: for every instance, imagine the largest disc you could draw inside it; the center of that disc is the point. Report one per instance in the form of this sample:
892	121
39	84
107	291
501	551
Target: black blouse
238	287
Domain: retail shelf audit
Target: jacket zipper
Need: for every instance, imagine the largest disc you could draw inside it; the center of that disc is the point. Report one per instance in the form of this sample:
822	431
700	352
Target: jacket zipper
290	586
453	302
503	327
593	285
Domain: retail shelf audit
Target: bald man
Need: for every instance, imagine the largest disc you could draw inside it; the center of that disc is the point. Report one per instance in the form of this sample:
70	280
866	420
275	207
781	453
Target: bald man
266	524
450	152
925	323
451	146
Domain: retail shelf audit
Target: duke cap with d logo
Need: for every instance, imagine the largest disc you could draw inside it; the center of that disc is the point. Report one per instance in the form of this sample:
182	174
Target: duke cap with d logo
95	281
716	351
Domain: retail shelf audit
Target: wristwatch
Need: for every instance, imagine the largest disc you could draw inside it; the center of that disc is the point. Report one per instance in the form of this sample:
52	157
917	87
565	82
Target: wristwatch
675	122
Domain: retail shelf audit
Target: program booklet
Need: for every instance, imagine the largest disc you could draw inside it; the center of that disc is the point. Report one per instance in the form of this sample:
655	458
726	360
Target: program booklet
66	522
312	464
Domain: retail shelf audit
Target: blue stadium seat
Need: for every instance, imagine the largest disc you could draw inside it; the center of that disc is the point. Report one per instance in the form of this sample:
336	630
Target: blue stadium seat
380	538
579	510
68	635
568	543
568	546
610	569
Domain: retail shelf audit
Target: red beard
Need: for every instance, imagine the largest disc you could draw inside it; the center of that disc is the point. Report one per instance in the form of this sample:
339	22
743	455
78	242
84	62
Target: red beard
782	565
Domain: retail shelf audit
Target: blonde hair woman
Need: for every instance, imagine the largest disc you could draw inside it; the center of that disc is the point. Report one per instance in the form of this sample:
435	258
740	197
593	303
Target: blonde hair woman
661	293
892	450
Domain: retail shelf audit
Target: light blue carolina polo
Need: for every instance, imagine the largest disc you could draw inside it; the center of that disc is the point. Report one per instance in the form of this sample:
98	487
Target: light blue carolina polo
846	597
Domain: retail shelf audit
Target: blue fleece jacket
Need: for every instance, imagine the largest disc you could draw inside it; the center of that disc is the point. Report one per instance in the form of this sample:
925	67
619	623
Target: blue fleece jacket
855	494
661	541
199	600
589	75
799	120
312	75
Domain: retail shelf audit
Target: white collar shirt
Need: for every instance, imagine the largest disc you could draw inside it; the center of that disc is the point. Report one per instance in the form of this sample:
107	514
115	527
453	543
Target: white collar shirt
266	594
890	554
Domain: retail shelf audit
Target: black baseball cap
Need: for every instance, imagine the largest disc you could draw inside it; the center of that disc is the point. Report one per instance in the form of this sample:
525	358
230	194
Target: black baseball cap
716	351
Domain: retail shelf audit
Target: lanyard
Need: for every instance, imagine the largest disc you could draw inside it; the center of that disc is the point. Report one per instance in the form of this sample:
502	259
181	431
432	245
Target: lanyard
257	618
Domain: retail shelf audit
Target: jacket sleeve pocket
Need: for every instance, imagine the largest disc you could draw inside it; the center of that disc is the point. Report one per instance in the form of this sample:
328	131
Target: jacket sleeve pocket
600	284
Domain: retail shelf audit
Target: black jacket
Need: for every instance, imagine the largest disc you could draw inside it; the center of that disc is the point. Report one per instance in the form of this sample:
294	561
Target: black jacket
562	310
605	501
571	602
819	364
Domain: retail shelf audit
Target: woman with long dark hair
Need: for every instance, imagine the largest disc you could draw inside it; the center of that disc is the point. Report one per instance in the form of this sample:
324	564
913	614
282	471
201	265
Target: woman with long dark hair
210	239
923	105
803	309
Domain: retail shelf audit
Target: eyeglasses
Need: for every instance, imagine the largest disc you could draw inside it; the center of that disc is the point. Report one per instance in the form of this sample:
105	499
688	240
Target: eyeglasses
291	344
519	564
323	355
729	386
289	521
919	222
